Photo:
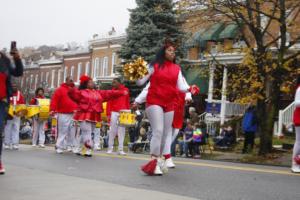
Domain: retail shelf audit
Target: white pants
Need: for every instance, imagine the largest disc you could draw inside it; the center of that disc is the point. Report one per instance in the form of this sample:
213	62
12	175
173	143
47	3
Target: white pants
66	131
38	131
86	129
114	131
11	131
161	124
296	150
97	137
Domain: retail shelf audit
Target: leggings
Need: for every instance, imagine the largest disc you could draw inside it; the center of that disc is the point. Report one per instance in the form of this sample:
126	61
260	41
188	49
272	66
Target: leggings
161	123
296	150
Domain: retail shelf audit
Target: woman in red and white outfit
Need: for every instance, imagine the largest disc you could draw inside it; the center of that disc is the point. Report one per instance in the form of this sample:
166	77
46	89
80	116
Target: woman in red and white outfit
165	79
296	150
89	103
38	125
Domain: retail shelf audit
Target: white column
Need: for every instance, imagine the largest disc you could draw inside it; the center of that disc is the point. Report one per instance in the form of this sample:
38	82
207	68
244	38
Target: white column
211	82
223	100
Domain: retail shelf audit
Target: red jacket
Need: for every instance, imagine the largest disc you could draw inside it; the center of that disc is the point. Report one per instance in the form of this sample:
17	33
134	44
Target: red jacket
90	102
19	98
121	103
163	84
61	102
179	110
33	101
296	116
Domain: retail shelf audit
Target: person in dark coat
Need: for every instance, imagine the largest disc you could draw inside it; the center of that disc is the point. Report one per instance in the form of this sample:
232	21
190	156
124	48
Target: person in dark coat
249	125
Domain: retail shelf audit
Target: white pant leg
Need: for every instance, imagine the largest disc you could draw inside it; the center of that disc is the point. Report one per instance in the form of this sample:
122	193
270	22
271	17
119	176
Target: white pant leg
71	134
63	122
296	150
155	115
35	133
167	134
97	137
113	130
41	130
175	132
7	132
121	137
15	130
86	132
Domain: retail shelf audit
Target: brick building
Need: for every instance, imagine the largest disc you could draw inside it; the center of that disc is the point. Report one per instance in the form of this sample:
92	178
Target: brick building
104	56
76	63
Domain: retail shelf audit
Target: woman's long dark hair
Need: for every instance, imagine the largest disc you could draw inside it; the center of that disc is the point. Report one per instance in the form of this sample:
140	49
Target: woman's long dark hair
38	89
160	57
83	85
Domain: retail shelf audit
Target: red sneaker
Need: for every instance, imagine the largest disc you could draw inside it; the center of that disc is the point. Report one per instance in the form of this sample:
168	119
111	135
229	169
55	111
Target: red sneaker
2	170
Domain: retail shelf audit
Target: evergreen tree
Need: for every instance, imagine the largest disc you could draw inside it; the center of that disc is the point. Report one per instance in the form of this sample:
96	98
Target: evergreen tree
151	23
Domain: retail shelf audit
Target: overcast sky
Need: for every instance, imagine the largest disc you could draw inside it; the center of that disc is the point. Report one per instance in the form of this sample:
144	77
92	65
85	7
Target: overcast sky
51	22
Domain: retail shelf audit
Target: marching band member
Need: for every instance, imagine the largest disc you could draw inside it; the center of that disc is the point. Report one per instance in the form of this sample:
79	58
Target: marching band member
165	79
12	128
38	134
113	108
177	123
62	105
89	103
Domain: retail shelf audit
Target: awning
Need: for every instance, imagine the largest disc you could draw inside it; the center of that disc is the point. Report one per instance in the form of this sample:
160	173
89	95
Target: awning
229	32
212	33
195	40
194	75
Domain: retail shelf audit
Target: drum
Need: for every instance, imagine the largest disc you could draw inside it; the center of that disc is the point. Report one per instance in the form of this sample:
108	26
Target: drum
32	110
53	121
21	110
126	118
44	105
11	110
98	125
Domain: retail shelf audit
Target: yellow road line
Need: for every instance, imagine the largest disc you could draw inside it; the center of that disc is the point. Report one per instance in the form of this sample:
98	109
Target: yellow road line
200	164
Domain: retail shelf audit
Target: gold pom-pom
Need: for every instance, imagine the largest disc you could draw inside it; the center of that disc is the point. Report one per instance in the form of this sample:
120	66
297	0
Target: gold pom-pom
135	70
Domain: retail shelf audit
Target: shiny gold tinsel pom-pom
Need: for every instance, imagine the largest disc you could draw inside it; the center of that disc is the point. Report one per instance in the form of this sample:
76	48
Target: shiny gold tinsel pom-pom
135	70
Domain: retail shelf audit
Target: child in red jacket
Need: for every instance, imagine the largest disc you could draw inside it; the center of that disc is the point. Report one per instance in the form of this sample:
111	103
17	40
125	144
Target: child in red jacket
89	103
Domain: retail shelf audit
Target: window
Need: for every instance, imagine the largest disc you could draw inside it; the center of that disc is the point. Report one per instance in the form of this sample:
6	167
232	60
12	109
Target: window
36	81
105	66
113	62
87	68
31	81
47	79
42	77
65	73
79	71
59	77
72	71
96	67
52	78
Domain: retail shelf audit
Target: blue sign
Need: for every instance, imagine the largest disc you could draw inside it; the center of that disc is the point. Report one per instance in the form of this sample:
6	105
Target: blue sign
214	108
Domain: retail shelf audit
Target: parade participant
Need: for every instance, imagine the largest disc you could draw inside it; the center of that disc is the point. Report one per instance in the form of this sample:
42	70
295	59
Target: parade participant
89	103
12	128
165	79
64	107
38	134
6	71
296	151
177	123
113	108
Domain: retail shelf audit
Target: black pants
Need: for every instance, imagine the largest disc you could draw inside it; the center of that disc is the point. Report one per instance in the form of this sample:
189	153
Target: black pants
249	140
3	113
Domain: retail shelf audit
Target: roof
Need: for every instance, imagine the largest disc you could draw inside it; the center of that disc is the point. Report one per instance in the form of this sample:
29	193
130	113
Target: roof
229	32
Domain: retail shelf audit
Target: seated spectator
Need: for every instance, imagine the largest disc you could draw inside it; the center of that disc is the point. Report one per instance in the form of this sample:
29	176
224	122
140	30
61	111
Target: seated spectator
187	140
199	138
141	141
26	131
226	138
194	118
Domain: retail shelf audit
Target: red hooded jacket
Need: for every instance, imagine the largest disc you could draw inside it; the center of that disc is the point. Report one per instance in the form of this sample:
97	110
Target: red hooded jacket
61	102
34	100
19	99
121	103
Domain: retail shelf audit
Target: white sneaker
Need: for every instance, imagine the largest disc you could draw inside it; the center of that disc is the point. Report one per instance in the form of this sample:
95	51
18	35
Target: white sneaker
41	145
157	170
109	151
97	148
169	163
59	151
15	147
88	153
162	166
6	146
122	153
69	149
295	168
34	145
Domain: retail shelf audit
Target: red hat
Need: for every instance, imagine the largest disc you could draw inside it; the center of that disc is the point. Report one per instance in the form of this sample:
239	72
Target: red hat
84	79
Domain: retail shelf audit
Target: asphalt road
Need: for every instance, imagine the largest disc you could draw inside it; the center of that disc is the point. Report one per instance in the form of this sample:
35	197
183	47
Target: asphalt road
33	173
